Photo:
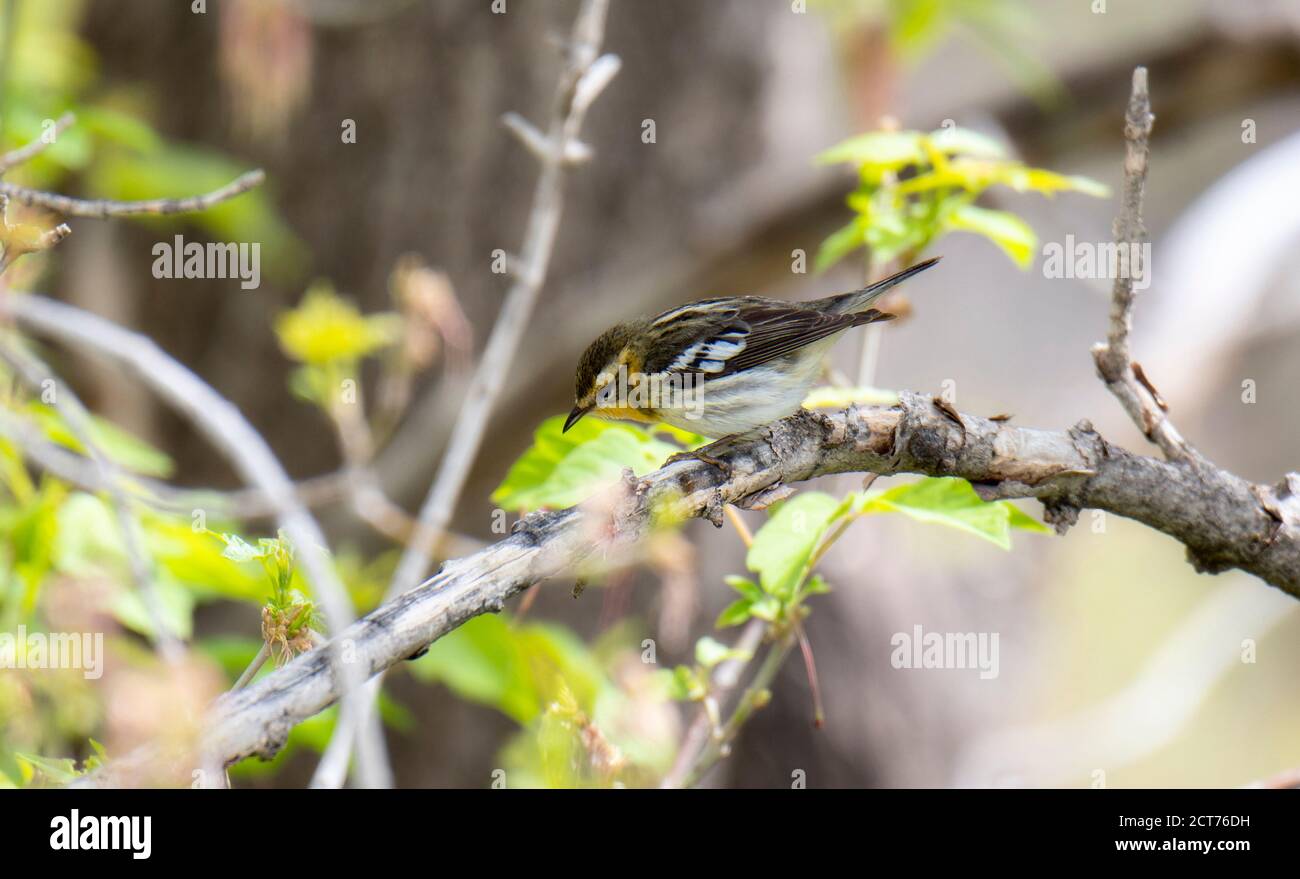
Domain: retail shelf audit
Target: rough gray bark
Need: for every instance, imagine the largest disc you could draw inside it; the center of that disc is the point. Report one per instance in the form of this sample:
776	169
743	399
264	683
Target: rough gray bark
1223	520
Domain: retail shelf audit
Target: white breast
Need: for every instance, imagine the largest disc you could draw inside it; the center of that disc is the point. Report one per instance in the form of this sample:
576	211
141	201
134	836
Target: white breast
750	398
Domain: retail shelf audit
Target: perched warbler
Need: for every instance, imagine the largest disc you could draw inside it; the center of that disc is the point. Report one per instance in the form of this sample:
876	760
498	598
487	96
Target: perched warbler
719	367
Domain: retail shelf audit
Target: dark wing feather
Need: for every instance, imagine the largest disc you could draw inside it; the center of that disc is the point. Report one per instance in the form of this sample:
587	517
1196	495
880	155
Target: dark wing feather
727	336
779	329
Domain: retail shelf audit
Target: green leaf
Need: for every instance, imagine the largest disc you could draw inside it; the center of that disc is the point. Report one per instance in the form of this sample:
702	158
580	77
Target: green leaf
1024	179
685	685
898	227
61	770
517	670
1022	520
767	608
96	759
88	539
198	563
746	587
684	438
709	652
32	530
72	150
964	141
915	25
1004	229
119	446
240	550
318	385
175	606
947	501
887	149
561	469
784	545
841	243
89	543
116	127
739	611
816	585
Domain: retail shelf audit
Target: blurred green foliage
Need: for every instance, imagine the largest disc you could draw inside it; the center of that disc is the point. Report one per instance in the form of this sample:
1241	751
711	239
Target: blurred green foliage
916	28
582	711
915	187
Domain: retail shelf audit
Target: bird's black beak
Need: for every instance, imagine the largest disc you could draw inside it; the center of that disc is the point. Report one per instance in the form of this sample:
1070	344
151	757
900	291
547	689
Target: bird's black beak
575	416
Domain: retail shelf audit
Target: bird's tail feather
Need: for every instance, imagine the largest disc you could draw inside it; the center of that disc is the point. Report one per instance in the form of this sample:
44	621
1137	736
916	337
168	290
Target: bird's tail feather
859	300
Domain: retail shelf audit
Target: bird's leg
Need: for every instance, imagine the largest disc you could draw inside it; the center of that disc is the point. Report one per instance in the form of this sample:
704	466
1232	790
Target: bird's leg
711	453
701	455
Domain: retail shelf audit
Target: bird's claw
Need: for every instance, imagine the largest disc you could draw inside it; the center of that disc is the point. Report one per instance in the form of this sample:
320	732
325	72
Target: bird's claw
700	455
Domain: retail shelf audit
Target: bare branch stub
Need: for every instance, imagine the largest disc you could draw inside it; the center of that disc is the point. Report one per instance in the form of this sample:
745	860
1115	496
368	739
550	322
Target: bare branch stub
1114	357
19	240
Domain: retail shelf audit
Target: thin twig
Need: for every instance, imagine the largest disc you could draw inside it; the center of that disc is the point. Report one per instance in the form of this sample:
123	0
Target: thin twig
733	515
26	153
810	666
332	770
102	208
722	682
263	654
369	501
372	506
725	678
1114	357
754	697
585	74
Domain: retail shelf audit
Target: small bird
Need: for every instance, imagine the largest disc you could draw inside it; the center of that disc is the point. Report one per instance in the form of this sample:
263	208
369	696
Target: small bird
720	367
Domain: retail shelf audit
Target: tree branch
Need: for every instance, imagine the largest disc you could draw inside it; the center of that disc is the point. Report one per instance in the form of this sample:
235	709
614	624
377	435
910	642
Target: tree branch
102	208
1223	520
1114	358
